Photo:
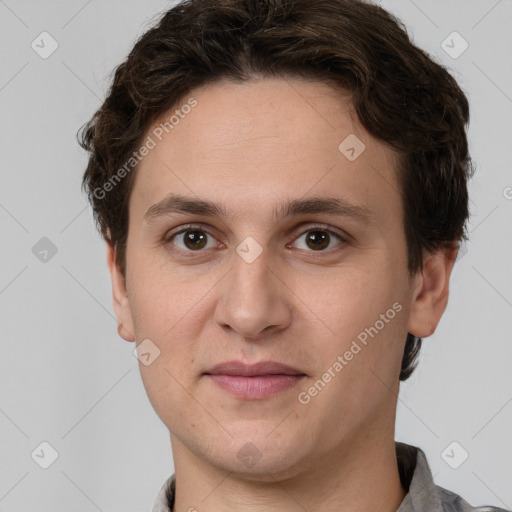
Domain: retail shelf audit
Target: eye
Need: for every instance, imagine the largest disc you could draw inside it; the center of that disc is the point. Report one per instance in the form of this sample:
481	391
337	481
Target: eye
318	238
191	239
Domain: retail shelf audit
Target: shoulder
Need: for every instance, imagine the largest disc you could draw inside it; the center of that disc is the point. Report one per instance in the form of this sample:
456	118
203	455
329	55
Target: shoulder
423	495
451	502
165	499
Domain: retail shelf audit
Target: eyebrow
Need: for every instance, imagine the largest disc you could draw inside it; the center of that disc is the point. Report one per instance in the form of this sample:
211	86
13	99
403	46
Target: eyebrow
176	203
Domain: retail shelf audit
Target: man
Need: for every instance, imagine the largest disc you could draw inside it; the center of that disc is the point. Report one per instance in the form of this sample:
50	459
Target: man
282	187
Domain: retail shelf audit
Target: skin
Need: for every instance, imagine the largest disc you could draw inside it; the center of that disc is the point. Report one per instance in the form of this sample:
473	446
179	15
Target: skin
251	146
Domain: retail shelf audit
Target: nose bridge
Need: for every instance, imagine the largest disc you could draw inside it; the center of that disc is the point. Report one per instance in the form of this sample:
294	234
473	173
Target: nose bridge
252	299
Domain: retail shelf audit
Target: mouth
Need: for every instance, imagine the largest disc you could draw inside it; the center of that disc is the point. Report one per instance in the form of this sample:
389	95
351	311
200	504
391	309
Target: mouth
254	382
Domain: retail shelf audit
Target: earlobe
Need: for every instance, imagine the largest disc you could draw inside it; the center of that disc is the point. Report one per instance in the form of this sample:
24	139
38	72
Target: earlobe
430	291
128	336
120	299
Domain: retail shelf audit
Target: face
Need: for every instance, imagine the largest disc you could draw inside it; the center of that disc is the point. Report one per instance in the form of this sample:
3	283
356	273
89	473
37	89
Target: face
299	260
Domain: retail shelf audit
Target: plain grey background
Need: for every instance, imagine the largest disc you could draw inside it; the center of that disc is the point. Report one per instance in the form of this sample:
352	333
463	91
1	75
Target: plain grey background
67	379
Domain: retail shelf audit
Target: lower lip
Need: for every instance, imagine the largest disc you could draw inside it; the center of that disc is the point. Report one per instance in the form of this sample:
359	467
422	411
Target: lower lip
255	388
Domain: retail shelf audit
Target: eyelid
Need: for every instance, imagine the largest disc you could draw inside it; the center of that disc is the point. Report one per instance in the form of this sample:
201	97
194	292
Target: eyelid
302	229
312	226
184	228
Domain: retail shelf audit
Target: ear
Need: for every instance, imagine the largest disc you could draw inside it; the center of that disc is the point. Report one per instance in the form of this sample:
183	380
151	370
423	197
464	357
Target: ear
430	292
120	297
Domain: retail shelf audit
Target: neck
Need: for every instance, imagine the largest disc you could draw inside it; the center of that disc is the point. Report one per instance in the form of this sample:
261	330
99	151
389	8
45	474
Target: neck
361	478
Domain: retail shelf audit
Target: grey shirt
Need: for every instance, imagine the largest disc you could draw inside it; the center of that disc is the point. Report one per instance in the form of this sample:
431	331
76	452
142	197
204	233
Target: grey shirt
416	478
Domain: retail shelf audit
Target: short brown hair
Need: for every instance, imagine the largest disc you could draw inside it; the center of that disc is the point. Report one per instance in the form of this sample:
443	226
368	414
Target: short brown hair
400	95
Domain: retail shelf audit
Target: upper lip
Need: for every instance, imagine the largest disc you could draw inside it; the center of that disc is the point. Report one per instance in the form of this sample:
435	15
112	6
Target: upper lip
252	370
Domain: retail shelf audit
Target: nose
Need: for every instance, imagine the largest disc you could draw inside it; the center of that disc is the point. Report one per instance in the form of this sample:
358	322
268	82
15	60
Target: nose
253	301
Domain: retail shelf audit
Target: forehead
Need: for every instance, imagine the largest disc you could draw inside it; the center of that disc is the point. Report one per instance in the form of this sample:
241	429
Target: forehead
250	144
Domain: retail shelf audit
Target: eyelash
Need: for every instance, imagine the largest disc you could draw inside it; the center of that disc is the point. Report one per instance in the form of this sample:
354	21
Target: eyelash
168	238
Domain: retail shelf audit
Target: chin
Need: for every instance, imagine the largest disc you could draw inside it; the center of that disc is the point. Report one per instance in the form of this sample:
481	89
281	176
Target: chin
260	456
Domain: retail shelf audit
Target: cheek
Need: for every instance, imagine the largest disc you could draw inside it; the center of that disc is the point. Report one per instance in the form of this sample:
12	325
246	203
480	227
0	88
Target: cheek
159	296
169	311
344	300
361	317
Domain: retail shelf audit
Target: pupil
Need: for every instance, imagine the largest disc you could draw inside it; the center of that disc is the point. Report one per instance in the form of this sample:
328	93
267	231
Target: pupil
319	239
199	243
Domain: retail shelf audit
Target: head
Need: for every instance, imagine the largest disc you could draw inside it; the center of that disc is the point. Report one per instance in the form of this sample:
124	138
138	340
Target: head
276	111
